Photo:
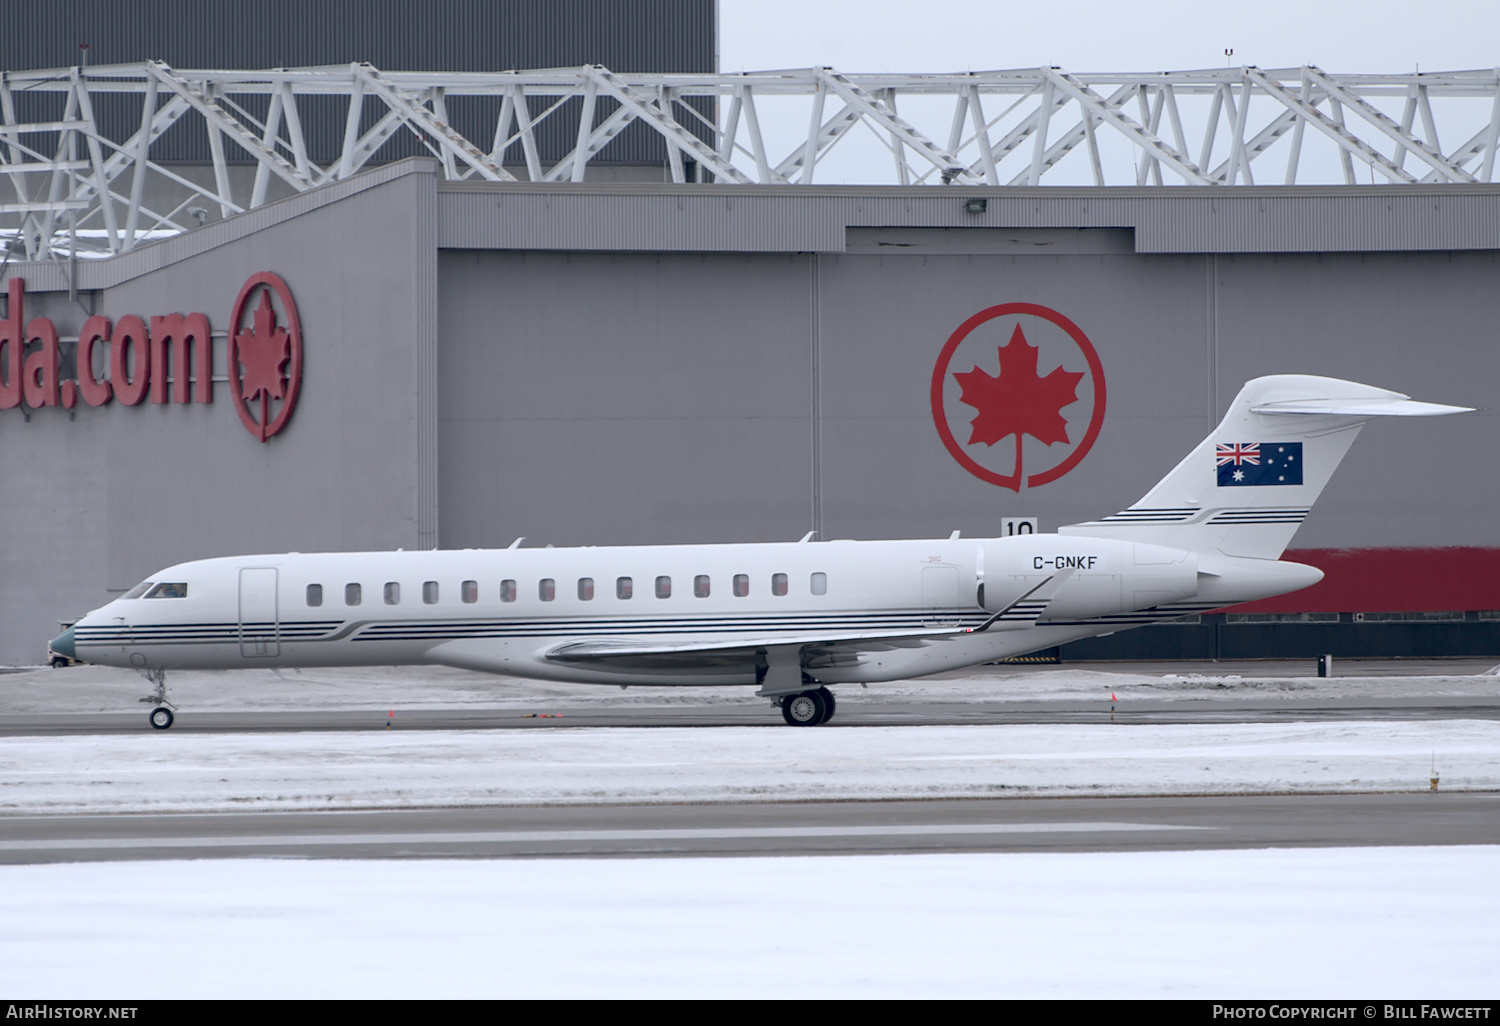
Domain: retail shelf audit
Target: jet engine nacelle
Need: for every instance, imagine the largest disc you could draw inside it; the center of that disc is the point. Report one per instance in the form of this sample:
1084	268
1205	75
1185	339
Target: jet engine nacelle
1104	575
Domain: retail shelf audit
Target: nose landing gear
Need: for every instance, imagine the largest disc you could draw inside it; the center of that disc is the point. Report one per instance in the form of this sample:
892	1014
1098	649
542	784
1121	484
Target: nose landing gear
161	717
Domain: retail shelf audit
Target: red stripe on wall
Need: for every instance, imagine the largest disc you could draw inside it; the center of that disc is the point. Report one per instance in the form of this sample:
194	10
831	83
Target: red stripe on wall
1391	581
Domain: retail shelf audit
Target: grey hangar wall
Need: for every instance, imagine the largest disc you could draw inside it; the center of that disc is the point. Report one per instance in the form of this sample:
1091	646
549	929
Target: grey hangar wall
611	364
614	398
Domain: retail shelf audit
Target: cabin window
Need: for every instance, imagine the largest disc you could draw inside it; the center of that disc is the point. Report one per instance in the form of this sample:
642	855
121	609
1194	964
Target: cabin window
624	587
138	590
507	591
546	589
664	587
168	589
430	592
820	584
315	594
700	586
392	593
469	591
351	595
778	584
586	589
741	585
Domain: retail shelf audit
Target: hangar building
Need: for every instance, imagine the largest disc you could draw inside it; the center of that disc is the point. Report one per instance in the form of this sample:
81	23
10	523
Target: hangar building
605	363
382	294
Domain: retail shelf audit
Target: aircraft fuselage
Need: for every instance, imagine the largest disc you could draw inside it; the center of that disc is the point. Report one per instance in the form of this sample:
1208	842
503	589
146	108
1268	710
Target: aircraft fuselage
689	614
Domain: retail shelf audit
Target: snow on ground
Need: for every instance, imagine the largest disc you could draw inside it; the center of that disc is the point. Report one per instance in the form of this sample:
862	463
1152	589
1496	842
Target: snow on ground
94	689
1419	923
183	771
152	771
1415	923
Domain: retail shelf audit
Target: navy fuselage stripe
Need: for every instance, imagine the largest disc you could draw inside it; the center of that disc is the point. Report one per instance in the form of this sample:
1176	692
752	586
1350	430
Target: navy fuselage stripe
231	633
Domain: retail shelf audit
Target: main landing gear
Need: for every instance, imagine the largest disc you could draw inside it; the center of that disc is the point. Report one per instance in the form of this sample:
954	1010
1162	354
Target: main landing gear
808	708
161	716
803	699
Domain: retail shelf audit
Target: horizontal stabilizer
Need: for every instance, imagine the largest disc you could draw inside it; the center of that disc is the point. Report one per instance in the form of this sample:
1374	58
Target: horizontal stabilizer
1398	406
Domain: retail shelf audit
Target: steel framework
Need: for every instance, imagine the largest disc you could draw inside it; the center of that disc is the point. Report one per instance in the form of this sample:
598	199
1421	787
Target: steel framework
79	191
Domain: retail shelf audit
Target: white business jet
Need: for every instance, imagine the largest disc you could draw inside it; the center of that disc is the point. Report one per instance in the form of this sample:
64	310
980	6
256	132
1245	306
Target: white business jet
790	618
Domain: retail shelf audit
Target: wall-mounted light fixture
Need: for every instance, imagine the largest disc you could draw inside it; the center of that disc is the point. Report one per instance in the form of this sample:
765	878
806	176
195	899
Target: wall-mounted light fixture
976	205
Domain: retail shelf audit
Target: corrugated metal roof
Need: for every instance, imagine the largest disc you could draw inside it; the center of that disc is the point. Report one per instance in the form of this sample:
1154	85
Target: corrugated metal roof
408	35
717	218
394	35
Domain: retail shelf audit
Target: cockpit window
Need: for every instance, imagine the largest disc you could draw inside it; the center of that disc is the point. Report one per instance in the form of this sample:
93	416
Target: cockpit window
168	589
138	590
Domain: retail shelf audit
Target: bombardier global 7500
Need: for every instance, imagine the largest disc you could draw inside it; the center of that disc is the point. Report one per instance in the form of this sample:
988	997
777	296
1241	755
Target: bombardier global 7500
788	618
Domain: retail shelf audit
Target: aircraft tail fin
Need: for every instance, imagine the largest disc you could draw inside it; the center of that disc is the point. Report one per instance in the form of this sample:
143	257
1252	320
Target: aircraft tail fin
1246	487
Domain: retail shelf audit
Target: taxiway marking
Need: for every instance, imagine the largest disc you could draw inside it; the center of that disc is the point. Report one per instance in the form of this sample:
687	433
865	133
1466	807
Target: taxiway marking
545	836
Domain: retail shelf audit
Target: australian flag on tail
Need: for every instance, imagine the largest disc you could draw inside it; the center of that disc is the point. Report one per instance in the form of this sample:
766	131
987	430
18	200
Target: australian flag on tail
1259	463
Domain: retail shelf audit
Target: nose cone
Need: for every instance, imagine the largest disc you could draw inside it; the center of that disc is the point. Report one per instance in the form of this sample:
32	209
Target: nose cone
63	644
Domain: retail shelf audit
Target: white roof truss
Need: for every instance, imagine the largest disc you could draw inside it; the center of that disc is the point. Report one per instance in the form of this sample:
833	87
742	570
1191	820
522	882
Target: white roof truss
66	188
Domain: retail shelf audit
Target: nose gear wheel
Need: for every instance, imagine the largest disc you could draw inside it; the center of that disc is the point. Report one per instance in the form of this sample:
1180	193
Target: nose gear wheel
161	717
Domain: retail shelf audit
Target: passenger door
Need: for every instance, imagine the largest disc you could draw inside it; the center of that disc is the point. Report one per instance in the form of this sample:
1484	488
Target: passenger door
260	627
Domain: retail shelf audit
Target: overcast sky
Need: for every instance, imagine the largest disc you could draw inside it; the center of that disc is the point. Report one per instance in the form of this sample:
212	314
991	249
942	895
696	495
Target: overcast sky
1090	35
1376	36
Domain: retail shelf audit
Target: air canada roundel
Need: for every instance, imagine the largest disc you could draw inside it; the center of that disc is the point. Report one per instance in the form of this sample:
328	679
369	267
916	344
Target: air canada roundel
1018	395
265	354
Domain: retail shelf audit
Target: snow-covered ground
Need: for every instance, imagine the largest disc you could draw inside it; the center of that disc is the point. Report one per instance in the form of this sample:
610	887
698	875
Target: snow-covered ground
95	689
174	771
1418	923
152	771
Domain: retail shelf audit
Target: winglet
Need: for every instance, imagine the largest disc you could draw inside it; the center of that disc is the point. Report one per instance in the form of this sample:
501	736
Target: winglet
1036	600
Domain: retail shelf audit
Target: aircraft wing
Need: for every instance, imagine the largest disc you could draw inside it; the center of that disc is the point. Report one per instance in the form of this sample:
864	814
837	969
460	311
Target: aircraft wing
1018	615
591	651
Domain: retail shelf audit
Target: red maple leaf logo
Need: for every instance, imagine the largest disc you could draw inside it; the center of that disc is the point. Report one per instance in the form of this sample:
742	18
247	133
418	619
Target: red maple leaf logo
1017	401
263	351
